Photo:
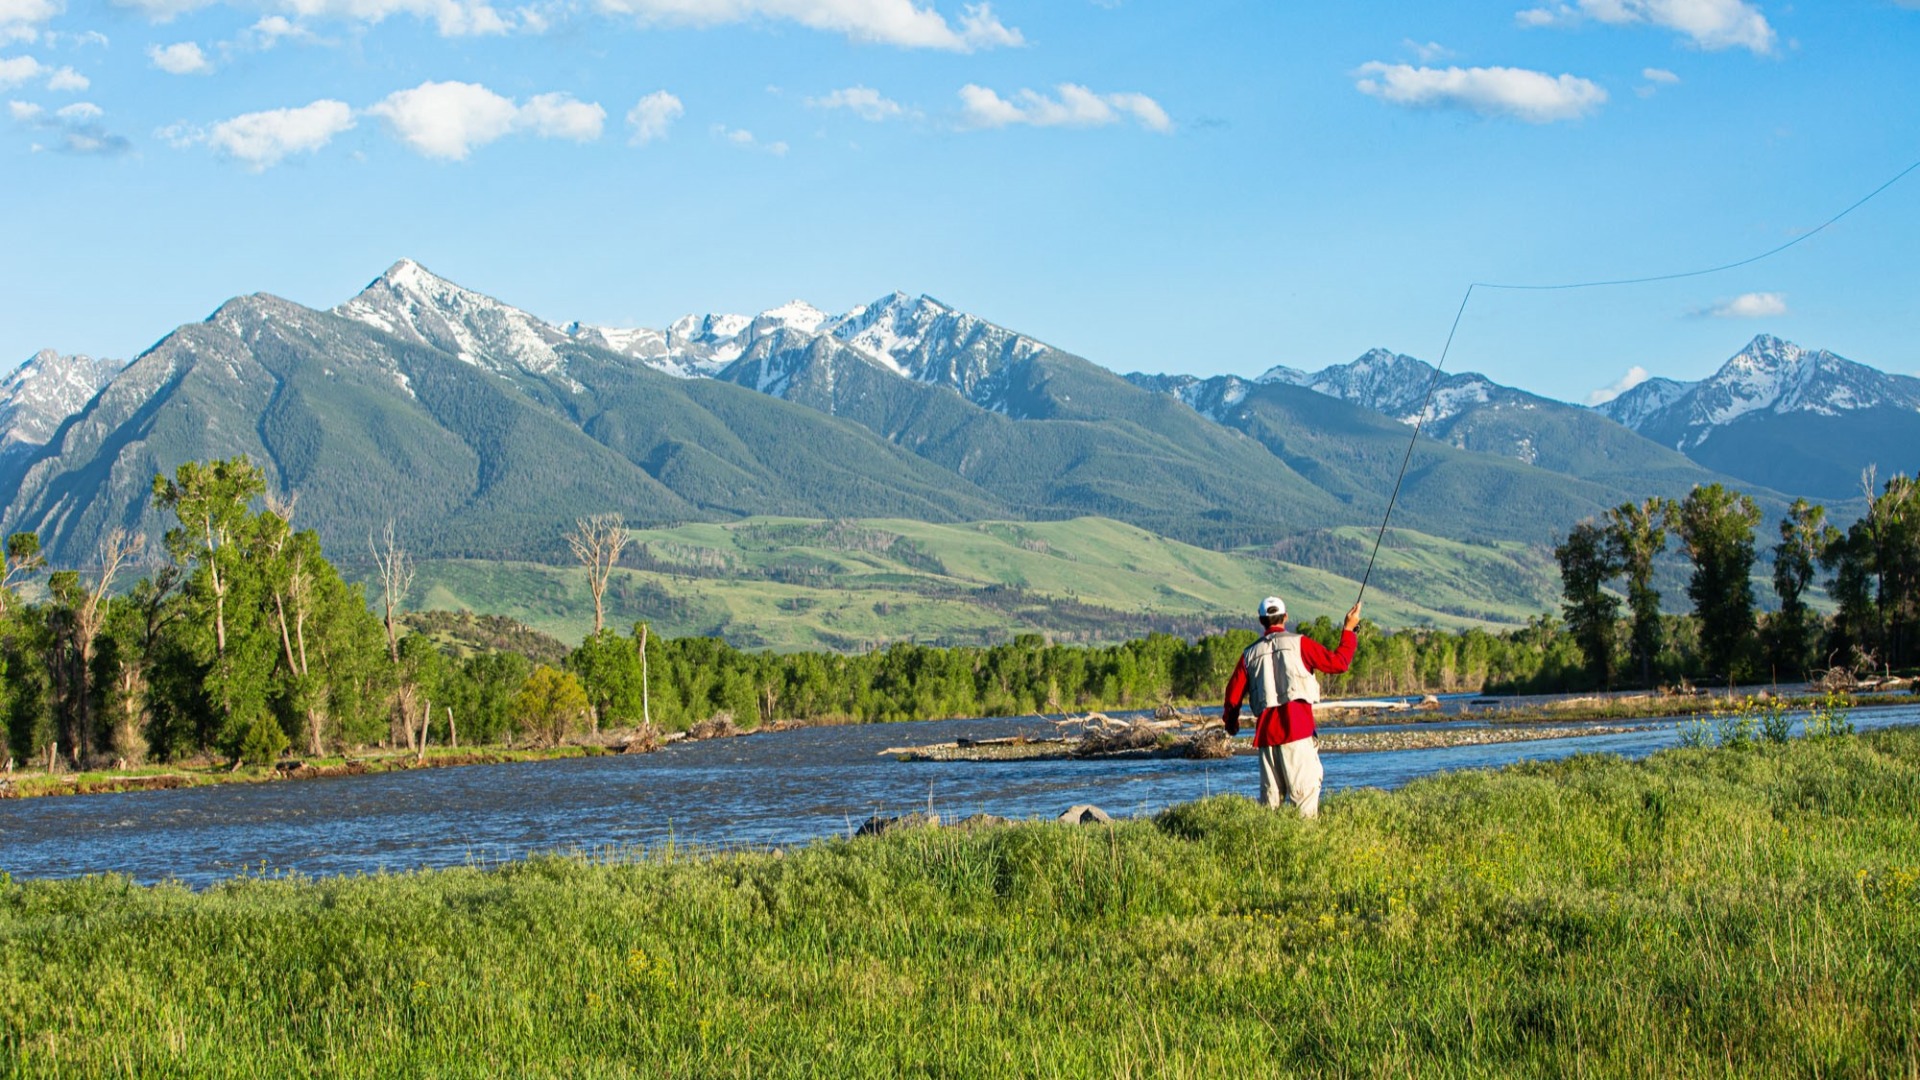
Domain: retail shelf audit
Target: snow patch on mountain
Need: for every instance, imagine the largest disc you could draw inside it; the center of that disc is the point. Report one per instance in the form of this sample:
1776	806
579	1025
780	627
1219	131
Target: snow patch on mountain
39	395
412	303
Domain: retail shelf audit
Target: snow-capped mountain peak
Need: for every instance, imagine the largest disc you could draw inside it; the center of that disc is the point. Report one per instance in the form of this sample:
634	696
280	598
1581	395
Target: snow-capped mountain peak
1391	383
1281	373
705	329
1769	376
792	315
40	394
1634	405
414	304
924	339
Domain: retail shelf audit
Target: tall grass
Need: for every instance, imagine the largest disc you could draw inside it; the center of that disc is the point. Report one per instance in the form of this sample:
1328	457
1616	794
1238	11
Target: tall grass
1750	911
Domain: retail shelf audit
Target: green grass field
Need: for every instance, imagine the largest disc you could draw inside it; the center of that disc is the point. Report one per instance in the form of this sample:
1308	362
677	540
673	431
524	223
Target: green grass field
1729	912
789	584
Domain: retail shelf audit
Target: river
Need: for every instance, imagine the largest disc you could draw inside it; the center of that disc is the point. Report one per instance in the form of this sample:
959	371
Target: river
763	790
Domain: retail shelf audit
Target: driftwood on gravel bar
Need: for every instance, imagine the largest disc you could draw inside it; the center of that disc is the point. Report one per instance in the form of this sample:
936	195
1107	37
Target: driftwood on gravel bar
1136	736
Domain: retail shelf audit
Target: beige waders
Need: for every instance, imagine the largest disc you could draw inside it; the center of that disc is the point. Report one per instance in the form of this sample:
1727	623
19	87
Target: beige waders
1292	771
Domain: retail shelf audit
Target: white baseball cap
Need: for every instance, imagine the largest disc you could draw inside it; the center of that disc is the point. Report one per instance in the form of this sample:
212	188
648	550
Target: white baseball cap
1270	607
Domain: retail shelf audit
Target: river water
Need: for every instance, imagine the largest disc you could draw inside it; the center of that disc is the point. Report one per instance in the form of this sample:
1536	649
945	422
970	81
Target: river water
763	790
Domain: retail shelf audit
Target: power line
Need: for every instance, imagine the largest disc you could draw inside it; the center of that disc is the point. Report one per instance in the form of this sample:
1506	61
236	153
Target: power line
1434	383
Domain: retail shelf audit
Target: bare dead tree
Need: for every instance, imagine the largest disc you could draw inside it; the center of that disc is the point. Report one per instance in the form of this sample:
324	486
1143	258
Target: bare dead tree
396	578
426	720
596	541
88	617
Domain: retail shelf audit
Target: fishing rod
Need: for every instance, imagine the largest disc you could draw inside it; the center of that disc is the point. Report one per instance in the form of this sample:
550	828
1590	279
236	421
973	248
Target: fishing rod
1426	405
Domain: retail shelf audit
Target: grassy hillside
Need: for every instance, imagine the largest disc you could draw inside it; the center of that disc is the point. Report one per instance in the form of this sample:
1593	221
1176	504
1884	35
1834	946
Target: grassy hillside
790	584
1732	912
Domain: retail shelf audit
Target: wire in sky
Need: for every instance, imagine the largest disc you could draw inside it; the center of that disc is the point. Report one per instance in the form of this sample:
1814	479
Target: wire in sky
1434	383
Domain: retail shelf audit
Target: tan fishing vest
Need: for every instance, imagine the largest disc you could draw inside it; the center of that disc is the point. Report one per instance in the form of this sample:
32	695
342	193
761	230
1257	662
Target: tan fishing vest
1277	673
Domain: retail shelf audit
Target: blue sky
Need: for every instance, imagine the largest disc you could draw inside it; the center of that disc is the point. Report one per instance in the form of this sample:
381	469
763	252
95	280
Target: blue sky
1202	187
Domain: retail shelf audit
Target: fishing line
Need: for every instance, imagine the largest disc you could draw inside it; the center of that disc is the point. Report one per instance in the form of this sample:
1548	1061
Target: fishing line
1433	384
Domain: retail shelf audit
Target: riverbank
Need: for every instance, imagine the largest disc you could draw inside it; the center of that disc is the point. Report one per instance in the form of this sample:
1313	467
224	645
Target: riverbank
1698	912
30	784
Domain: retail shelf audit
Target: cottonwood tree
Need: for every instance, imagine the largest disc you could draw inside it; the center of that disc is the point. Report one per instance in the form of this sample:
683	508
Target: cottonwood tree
131	645
1715	526
80	612
551	704
1585	565
237	651
610	671
596	541
1636	535
1876	570
211	502
1805	537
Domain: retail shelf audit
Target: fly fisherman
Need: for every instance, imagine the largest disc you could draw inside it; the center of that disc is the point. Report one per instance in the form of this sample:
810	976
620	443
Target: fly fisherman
1275	677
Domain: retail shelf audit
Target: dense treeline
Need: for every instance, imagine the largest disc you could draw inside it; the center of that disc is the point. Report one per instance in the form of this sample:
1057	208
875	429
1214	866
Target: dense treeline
246	642
1873	578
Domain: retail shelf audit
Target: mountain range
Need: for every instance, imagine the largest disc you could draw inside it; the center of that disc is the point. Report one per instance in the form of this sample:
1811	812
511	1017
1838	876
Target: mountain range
483	430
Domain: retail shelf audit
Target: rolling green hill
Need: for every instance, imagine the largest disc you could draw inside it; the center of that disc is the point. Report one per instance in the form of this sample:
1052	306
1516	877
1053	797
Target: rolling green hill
787	583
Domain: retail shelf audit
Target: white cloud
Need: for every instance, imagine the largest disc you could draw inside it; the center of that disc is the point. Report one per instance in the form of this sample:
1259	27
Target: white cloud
20	20
1429	52
1532	96
1634	377
77	126
271	30
264	139
746	141
164	10
652	116
1709	24
184	58
562	116
453	18
905	23
448	120
1072	106
1753	305
863	101
20	70
1655	79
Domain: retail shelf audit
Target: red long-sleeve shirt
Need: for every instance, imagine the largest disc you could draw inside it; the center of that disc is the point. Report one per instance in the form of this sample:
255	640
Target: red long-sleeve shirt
1293	721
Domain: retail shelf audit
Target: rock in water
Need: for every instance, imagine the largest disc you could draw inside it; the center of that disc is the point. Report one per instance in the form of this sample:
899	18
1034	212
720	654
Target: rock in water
1086	814
880	826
